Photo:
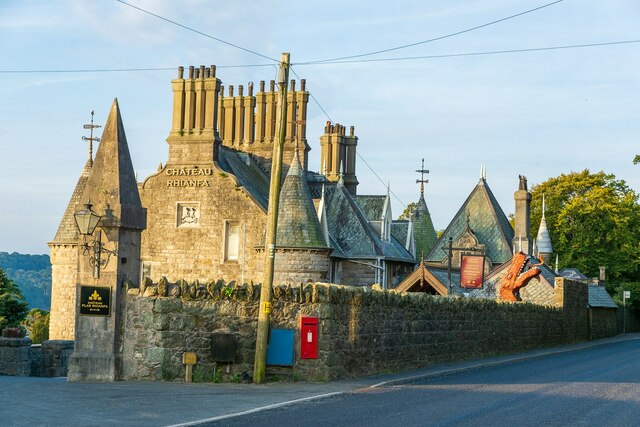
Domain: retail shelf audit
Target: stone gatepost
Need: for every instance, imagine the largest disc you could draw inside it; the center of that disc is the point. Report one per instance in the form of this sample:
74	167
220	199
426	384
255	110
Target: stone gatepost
101	291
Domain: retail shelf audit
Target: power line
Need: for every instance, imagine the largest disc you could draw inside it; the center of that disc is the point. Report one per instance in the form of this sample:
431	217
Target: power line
197	31
406	58
455	55
312	97
357	153
380	179
118	70
435	38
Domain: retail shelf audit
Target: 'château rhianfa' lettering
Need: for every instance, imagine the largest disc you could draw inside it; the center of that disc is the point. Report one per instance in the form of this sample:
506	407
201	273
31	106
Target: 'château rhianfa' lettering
188	183
189	172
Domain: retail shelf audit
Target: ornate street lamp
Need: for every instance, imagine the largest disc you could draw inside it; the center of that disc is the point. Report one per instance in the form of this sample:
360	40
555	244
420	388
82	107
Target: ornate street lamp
87	221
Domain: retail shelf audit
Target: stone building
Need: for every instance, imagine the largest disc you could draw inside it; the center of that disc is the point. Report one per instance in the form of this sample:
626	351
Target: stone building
207	205
481	226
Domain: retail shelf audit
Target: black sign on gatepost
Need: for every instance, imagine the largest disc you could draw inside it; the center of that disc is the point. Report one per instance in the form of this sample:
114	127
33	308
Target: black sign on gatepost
95	301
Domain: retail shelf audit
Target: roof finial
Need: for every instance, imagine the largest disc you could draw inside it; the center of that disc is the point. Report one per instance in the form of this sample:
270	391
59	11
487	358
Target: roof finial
483	172
422	181
544	206
557	264
91	138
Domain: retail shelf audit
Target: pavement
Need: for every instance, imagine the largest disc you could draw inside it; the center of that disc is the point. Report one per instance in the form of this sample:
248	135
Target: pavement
31	401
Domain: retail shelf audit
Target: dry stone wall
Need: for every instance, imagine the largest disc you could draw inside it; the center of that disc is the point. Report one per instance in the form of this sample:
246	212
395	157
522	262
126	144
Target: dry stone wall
361	331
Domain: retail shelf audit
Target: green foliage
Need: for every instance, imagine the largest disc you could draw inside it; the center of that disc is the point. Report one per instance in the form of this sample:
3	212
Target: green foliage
636	159
593	220
227	291
206	373
406	214
616	289
13	307
37	324
32	274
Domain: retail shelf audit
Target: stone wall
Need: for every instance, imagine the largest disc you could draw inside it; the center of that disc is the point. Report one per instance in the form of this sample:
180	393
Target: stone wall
196	250
358	274
361	331
602	322
64	267
297	265
15	356
55	358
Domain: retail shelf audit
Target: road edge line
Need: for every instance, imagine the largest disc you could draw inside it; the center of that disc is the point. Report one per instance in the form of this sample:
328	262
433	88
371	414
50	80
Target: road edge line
254	410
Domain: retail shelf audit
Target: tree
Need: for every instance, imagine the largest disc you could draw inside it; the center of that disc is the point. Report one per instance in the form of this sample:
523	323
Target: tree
593	220
636	159
406	213
37	324
13	307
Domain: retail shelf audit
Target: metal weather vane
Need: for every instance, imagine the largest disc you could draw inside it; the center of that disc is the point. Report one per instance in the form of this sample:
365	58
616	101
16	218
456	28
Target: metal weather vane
422	181
91	138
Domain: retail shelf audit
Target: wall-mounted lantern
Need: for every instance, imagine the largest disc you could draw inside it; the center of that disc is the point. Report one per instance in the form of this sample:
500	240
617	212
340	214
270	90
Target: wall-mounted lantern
87	221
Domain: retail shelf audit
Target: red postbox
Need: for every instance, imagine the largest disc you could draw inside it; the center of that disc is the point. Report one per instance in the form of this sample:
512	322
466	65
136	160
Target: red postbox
308	337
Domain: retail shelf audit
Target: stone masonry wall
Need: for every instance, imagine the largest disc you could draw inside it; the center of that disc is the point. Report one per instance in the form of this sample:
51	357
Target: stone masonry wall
15	356
64	266
358	274
361	331
603	323
196	250
297	265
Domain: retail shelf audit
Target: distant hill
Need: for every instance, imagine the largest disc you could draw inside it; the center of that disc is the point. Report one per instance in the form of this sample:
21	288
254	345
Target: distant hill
32	273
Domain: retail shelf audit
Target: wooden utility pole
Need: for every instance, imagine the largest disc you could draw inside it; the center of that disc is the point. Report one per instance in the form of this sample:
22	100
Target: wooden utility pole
264	310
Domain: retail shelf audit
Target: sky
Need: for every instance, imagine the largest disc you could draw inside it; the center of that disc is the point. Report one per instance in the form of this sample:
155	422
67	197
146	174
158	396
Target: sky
538	114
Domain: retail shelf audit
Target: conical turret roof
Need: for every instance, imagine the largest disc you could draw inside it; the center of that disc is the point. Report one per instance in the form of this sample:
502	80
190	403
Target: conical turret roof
112	185
298	225
67	232
424	233
543	241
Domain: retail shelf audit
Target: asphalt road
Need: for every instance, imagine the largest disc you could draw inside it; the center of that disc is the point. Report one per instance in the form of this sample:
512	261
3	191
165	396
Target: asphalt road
594	387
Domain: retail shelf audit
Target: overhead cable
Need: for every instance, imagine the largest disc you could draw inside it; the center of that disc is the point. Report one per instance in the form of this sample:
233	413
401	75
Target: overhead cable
405	46
197	31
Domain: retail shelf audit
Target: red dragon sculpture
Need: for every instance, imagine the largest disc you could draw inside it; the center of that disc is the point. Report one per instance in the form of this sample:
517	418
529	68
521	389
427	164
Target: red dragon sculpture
517	278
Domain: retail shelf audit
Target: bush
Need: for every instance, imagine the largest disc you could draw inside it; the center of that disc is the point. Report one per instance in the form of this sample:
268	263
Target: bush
37	324
13	307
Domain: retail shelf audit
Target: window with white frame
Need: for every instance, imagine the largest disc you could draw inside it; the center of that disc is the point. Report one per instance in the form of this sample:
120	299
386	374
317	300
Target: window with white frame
232	241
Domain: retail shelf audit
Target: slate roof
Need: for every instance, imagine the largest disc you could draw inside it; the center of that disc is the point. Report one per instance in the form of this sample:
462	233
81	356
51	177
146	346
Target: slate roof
248	173
400	231
572	273
372	206
298	225
350	231
600	298
488	222
423	231
67	232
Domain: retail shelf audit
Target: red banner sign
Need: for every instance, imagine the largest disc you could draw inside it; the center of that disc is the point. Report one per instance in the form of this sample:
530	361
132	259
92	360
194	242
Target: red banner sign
472	271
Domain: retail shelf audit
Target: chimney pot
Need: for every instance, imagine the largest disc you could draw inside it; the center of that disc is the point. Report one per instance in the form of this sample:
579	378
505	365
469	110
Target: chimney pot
180	72
190	71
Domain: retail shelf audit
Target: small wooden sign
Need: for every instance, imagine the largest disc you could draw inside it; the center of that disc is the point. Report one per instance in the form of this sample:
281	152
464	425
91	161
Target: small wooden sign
189	358
95	301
